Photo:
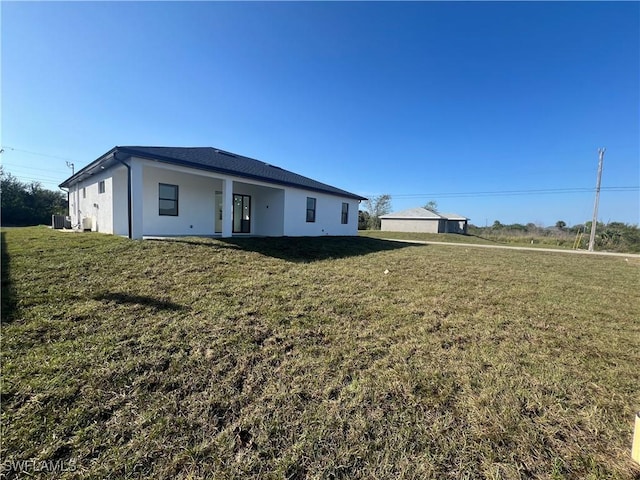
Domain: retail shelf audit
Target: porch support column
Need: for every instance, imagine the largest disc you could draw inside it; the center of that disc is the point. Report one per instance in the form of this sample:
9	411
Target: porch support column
227	207
137	191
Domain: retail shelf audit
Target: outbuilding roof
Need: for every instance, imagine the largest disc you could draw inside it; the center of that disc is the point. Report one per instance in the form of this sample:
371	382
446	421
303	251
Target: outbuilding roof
420	213
209	159
453	216
414	213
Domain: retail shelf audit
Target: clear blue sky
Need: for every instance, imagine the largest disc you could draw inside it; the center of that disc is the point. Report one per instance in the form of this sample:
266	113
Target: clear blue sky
421	100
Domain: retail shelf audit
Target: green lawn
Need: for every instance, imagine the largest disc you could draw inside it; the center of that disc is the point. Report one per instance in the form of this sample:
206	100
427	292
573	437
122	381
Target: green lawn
513	240
626	242
300	358
426	237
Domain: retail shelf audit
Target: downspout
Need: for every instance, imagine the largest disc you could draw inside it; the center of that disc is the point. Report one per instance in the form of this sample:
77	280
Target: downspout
115	157
68	207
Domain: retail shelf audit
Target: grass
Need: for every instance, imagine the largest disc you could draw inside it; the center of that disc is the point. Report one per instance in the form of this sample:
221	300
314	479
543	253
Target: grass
626	240
301	358
512	240
426	237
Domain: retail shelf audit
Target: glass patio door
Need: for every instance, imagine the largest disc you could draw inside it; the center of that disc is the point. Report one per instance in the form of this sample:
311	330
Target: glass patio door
241	213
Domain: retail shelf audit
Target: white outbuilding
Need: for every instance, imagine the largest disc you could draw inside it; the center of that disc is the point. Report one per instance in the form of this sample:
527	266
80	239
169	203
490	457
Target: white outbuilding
424	221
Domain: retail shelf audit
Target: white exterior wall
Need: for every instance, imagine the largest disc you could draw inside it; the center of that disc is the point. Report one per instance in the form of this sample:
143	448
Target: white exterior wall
328	214
267	208
91	204
86	202
275	210
73	204
196	196
409	225
119	185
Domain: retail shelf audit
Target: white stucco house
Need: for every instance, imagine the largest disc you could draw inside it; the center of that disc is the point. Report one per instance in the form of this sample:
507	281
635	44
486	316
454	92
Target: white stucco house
424	221
159	191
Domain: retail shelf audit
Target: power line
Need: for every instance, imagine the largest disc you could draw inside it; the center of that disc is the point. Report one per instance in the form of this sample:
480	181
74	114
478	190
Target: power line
38	153
13	165
44	178
37	179
546	191
33	174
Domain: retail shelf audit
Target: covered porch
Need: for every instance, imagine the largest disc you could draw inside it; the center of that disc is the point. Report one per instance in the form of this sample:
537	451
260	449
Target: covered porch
170	200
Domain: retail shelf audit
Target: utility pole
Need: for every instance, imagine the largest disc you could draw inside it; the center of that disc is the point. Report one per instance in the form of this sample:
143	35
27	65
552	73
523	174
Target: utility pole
72	167
592	238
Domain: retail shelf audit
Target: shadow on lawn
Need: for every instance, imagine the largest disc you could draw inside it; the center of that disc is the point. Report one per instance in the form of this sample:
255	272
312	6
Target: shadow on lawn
313	249
151	302
9	299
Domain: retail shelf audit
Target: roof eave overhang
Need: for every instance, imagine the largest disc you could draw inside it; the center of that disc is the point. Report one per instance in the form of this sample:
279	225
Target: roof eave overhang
101	163
423	218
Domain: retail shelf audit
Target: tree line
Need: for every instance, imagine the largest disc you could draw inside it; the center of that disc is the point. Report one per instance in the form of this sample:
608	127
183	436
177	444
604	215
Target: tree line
24	204
612	236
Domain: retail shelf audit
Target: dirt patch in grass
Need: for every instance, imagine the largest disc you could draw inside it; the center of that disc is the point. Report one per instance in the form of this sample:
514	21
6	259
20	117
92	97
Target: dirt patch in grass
302	358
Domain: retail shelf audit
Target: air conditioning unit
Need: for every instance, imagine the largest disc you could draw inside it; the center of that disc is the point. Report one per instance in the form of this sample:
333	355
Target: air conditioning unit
87	223
58	221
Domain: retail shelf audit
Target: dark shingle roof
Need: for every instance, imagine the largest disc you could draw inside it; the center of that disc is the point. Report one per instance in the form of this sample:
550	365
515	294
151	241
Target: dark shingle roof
215	160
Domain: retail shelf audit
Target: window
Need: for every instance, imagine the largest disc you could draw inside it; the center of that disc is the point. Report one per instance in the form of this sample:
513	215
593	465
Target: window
84	192
168	199
101	186
345	213
311	209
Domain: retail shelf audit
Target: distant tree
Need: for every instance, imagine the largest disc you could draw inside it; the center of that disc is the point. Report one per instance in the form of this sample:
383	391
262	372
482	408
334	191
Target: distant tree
612	236
363	220
28	204
617	236
432	205
517	226
560	224
588	224
376	207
